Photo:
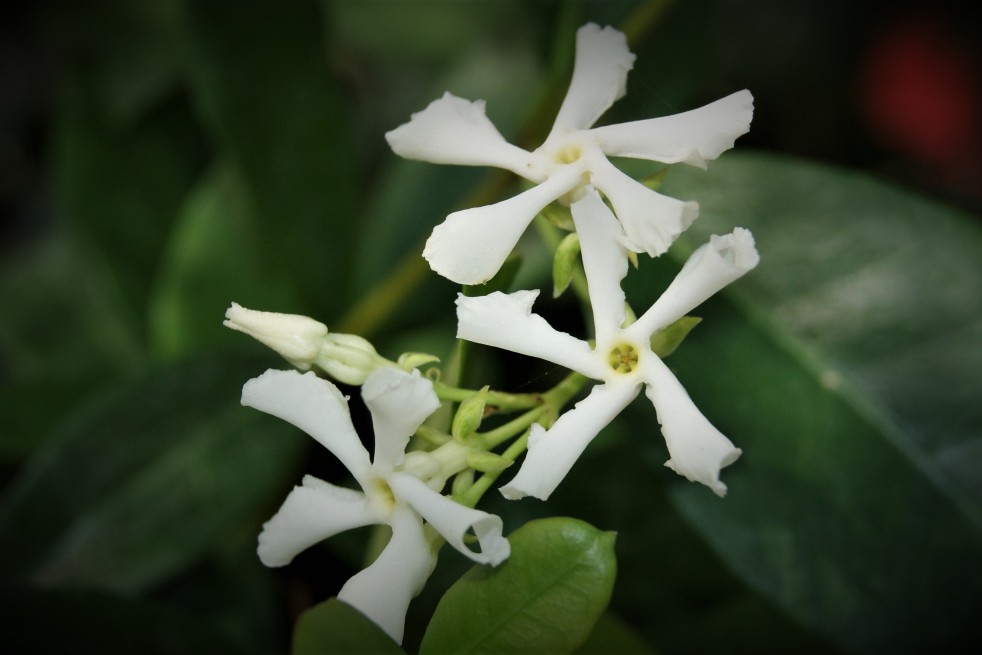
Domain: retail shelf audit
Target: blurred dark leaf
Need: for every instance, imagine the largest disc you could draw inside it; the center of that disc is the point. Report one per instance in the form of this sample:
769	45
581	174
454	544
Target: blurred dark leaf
545	598
855	350
63	335
264	87
612	635
145	481
336	627
95	623
215	256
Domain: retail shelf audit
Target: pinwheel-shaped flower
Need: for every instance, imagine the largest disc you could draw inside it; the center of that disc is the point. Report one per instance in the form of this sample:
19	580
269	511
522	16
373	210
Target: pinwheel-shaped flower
622	357
470	246
399	402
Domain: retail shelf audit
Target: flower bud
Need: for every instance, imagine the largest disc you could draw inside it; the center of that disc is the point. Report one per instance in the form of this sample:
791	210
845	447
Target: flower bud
349	358
297	338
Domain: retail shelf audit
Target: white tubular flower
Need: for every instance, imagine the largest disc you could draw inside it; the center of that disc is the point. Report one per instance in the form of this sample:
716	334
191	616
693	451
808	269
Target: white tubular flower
304	342
470	246
622	358
297	338
316	510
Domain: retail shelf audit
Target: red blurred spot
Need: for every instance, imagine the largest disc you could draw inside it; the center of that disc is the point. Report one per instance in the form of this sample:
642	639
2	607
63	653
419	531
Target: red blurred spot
920	93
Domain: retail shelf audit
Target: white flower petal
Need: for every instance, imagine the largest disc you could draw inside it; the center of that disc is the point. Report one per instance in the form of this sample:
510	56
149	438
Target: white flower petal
698	450
506	321
710	268
599	77
399	403
453	130
452	520
471	245
651	221
311	513
382	591
604	261
315	406
552	453
691	137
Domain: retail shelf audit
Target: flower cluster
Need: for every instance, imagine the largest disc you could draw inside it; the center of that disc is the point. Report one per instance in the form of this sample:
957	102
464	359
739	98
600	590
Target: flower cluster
613	216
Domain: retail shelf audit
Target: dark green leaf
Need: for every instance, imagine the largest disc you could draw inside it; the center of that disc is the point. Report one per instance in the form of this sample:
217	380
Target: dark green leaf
613	635
336	627
145	481
215	256
263	85
853	390
544	599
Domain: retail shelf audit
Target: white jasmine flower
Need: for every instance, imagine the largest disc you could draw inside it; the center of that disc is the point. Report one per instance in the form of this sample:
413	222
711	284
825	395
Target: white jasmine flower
622	357
304	342
470	246
316	510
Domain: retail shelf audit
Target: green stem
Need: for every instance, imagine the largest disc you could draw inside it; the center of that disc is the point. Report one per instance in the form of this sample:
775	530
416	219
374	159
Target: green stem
499	399
501	434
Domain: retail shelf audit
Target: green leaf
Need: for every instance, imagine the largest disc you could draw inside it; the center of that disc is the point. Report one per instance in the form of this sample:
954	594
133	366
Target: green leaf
263	86
336	627
144	482
849	376
545	598
613	635
215	256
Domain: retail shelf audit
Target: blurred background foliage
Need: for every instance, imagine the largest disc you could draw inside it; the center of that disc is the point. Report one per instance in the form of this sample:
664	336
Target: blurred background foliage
160	159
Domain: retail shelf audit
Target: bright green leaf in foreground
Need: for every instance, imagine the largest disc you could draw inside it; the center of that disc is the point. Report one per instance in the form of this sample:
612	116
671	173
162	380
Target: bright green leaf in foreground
545	598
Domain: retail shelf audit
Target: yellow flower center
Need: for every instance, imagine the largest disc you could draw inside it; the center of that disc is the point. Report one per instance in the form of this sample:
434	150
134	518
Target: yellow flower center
623	358
568	154
380	494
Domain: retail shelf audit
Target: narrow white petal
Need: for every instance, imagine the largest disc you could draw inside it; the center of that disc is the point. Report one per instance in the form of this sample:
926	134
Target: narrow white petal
311	513
691	137
651	221
604	261
599	77
552	453
452	520
399	403
710	268
506	321
315	406
382	591
698	450
471	245
453	130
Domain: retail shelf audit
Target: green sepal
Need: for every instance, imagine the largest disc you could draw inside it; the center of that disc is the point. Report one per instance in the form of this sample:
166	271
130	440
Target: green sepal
564	263
559	215
469	415
432	435
666	340
486	462
654	181
409	361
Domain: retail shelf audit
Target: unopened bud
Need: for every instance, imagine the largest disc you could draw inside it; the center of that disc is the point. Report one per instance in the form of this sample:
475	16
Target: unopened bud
349	358
297	338
469	415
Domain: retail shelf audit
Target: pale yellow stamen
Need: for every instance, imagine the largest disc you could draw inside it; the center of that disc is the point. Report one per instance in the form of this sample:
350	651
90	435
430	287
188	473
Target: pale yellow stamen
623	358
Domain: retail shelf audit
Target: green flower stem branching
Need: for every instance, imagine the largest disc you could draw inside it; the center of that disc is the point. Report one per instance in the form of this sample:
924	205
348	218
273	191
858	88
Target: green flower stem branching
497	399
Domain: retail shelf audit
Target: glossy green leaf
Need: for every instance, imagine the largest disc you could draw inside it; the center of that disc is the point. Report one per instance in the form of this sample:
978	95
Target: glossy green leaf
336	627
853	390
146	481
263	86
545	598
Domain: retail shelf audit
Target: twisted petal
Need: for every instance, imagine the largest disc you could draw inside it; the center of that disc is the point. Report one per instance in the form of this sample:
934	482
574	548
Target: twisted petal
315	406
506	321
453	130
599	77
311	513
651	221
552	452
710	268
698	450
471	245
383	590
604	261
399	403
452	520
691	137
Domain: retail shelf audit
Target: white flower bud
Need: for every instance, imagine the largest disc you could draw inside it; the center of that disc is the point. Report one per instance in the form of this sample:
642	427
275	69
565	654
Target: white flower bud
349	358
297	338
